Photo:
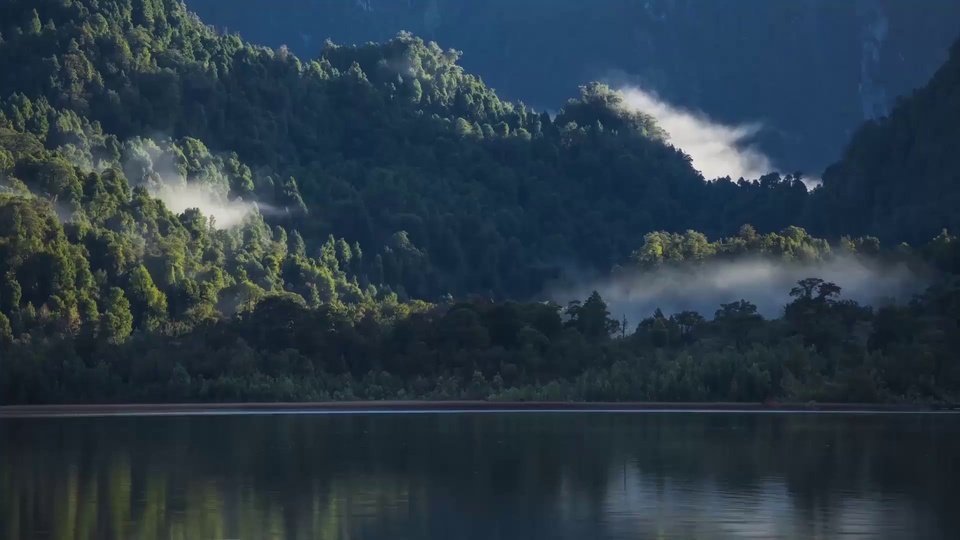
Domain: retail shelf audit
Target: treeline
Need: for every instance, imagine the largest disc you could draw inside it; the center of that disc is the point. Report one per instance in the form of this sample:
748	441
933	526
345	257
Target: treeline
278	347
823	348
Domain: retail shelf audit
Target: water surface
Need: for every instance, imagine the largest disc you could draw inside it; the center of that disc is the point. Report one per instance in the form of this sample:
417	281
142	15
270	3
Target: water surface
482	476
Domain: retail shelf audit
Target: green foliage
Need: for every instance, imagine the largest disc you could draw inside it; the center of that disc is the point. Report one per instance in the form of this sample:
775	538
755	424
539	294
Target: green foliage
605	108
363	143
117	319
303	229
279	346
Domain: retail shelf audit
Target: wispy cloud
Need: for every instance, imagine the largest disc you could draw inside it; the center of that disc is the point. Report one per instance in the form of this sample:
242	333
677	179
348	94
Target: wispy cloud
716	149
153	164
179	197
764	282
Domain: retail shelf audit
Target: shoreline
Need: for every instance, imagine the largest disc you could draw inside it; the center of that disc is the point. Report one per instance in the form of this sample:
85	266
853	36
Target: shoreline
360	407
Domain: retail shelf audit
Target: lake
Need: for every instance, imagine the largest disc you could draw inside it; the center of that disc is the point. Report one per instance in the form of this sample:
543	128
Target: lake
482	476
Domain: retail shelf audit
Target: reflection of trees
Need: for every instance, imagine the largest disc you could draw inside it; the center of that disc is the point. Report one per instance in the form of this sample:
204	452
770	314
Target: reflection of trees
325	476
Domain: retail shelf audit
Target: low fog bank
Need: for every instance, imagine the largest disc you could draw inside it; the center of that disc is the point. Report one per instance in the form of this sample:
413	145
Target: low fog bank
716	149
764	282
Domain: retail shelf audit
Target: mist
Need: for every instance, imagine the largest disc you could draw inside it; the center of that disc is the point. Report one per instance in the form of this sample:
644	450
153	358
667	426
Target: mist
764	282
16	188
179	197
717	150
152	163
6	187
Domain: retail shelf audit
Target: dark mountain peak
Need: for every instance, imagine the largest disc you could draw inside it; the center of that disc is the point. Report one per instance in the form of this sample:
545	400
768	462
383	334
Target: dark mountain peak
902	168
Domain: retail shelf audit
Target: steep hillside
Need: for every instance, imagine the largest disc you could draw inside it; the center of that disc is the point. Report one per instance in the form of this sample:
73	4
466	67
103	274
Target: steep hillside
811	70
390	146
899	177
186	216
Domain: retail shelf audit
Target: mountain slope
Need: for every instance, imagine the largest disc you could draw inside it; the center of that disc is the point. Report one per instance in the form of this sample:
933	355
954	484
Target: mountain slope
899	177
390	146
811	70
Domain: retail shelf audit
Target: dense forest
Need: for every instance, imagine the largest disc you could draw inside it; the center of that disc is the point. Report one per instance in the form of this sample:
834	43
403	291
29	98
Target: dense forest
186	216
833	64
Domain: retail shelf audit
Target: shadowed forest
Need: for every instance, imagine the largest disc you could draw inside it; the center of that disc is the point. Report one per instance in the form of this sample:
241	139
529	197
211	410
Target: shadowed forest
185	216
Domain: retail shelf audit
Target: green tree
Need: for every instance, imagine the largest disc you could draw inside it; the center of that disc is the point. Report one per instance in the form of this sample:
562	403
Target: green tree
592	318
117	320
148	304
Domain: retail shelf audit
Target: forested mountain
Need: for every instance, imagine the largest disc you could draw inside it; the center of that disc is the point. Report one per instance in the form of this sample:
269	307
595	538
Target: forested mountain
899	177
810	70
390	145
184	215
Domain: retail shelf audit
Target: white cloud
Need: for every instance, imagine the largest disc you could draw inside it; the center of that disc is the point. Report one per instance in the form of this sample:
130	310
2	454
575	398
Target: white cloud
179	197
717	149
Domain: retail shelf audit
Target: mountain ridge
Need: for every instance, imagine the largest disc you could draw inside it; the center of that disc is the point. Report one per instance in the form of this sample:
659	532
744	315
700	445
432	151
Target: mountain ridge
741	62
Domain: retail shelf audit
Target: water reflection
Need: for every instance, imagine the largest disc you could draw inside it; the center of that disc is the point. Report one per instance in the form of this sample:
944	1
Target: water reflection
483	476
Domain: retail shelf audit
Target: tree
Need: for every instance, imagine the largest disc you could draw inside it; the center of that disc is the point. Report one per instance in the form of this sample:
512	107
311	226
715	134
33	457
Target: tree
6	331
117	321
148	304
738	320
806	288
33	26
592	318
687	323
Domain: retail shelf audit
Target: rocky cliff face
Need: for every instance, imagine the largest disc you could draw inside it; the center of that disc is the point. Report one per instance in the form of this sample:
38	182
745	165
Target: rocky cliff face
809	70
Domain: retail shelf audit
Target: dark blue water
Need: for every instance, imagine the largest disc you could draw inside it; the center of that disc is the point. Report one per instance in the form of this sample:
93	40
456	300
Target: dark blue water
482	476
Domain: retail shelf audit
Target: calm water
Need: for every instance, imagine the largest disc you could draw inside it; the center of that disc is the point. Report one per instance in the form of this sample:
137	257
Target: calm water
482	476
